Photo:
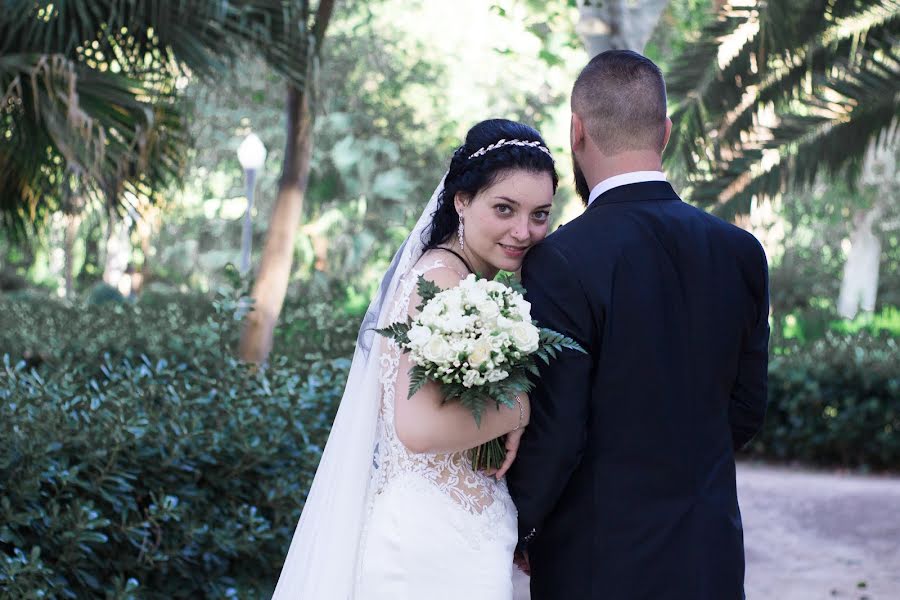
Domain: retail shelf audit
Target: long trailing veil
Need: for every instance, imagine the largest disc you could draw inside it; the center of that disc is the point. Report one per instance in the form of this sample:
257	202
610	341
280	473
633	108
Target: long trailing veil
321	562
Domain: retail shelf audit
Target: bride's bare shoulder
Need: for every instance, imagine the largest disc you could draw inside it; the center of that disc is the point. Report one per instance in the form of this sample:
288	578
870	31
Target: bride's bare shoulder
442	267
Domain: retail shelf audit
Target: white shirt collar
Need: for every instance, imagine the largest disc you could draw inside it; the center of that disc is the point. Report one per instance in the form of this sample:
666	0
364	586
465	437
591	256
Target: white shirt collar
624	179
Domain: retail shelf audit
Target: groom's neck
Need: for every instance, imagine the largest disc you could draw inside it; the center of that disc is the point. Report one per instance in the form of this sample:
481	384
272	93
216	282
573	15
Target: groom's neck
604	167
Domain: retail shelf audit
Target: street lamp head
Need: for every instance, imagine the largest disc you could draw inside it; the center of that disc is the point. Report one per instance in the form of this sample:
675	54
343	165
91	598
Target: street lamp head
252	153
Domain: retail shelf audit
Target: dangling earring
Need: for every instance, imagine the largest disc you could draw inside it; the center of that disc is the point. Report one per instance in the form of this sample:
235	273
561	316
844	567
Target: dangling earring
461	234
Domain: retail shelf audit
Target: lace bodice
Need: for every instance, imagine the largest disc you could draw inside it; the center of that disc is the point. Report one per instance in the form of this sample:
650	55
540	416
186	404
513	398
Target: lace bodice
451	473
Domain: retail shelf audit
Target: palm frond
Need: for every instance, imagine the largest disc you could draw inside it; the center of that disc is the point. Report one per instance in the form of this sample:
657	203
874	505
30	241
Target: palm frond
60	116
807	73
203	36
88	87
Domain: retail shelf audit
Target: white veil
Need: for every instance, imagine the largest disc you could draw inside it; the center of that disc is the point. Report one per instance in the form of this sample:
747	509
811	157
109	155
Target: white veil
321	563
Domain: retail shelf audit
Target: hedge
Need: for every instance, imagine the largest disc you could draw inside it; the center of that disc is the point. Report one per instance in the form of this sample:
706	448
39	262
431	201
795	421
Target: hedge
834	402
140	459
126	474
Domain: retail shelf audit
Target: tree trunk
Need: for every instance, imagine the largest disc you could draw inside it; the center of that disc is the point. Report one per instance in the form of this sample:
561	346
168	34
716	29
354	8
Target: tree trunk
118	249
149	218
71	234
617	24
271	283
859	285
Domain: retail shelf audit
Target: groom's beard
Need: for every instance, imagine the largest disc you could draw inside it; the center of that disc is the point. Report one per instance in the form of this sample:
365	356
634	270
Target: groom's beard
581	184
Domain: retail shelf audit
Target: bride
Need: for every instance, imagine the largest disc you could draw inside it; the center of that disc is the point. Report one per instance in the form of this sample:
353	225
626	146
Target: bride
395	510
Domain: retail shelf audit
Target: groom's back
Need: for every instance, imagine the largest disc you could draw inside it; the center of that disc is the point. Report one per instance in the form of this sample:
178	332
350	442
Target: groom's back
674	296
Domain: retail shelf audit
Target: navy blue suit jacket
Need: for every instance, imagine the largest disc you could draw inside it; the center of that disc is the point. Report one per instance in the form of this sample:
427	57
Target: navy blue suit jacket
625	478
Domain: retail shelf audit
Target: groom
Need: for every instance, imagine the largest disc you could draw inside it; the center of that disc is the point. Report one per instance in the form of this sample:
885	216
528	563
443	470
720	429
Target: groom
625	477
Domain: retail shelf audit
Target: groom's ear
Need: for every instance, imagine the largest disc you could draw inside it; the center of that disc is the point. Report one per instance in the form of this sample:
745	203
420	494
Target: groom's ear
668	133
576	132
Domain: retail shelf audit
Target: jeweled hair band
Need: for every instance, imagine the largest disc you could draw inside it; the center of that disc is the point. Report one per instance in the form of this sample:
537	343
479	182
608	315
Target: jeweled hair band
501	143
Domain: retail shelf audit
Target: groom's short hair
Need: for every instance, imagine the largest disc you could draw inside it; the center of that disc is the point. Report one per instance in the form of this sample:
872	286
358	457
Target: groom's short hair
621	98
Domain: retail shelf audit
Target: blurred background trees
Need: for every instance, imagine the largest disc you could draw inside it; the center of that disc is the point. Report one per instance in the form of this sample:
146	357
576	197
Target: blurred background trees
121	208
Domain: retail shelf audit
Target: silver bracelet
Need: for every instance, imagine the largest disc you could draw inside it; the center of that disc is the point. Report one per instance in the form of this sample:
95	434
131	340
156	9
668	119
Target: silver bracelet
521	413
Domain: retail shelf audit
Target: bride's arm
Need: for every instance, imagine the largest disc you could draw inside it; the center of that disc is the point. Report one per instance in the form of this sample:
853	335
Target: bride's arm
424	425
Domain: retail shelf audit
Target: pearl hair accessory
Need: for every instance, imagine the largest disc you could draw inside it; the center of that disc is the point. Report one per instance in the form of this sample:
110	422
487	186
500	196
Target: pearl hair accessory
501	143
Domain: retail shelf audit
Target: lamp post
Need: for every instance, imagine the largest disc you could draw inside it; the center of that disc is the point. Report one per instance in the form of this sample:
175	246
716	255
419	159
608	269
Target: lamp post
252	156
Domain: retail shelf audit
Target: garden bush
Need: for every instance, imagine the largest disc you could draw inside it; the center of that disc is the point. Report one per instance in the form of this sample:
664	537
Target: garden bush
835	402
140	459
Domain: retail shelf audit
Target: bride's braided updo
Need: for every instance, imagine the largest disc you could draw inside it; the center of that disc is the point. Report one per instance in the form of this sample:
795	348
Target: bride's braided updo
491	150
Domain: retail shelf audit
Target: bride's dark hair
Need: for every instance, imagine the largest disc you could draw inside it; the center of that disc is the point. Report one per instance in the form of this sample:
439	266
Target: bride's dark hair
471	175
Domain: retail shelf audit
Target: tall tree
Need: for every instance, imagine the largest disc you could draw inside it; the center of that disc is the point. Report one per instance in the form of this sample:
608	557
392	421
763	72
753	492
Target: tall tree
274	272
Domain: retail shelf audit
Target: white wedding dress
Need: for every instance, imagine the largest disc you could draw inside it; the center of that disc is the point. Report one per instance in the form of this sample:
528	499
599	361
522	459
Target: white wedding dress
380	522
435	528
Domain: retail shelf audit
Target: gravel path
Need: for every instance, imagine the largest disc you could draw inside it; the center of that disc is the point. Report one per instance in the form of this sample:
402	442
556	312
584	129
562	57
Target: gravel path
817	536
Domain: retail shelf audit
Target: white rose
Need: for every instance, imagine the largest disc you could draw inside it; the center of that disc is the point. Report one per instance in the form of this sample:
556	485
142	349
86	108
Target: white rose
475	296
455	323
453	300
495	375
418	335
525	336
499	341
488	310
523	306
495	286
469	282
433	308
504	323
481	352
436	350
460	344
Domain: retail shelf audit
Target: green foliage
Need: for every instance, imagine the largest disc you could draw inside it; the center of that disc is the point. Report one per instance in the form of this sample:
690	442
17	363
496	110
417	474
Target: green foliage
814	323
835	401
427	290
392	104
318	323
399	332
808	246
679	26
802	88
888	320
511	281
91	97
102	293
552	343
141	460
419	377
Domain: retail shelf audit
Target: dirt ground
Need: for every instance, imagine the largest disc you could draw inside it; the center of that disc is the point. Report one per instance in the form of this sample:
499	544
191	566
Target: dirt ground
815	536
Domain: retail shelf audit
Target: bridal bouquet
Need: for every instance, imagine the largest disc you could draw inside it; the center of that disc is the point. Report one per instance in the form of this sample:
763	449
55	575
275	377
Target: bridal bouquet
478	342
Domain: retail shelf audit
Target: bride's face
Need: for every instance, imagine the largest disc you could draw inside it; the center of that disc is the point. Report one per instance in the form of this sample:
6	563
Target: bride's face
504	220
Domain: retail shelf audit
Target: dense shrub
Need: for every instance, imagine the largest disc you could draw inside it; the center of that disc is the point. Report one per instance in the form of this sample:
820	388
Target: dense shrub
835	401
316	324
43	331
140	459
